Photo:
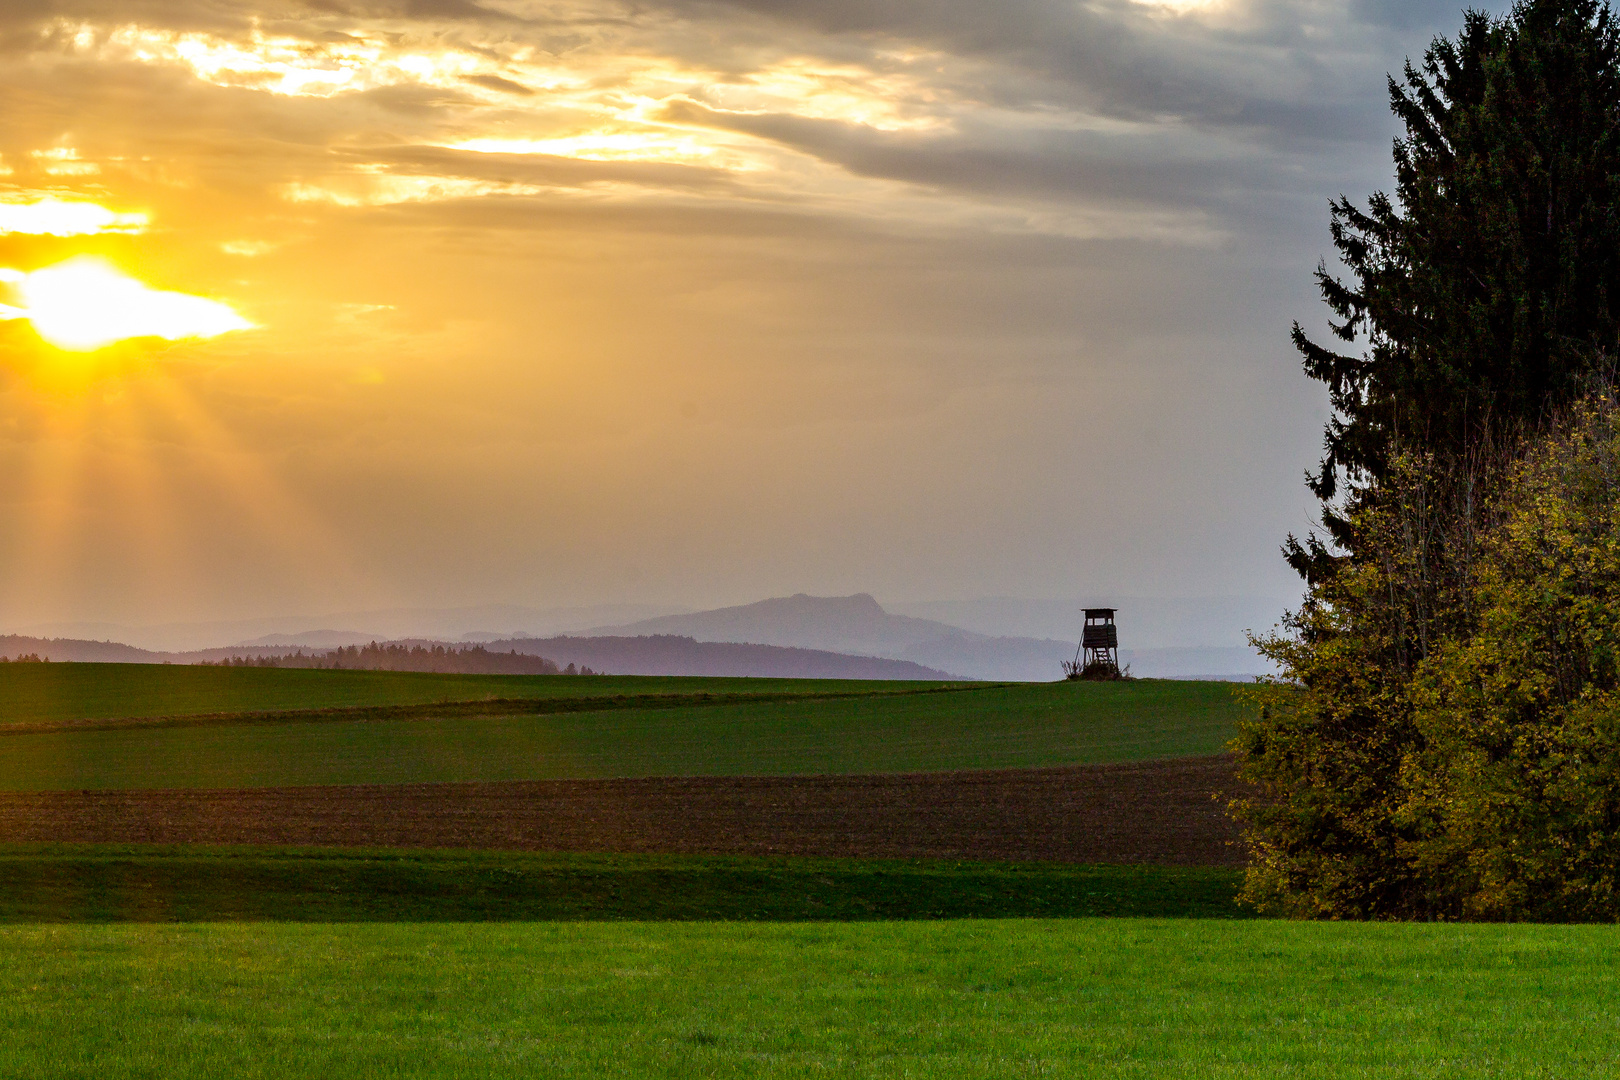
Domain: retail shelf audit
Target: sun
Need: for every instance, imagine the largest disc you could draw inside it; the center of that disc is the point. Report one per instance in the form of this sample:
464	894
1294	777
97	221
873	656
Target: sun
86	304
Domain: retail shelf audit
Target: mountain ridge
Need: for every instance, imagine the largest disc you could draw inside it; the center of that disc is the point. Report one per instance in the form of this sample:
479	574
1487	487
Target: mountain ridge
858	625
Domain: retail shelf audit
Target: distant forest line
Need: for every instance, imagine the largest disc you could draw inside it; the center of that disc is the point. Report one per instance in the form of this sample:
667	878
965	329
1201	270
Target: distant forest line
661	654
392	656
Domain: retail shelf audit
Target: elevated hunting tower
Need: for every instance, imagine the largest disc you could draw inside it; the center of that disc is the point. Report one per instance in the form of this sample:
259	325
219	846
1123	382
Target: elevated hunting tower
1098	655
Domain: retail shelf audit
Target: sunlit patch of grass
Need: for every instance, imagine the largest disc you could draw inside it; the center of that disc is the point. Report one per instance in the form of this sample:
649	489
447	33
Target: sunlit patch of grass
1081	998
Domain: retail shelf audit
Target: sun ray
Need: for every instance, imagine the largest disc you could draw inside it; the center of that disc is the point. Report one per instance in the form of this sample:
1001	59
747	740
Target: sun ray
48	500
100	464
253	489
146	499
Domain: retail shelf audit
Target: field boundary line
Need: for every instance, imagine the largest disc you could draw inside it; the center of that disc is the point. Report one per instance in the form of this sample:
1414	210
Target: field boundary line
449	710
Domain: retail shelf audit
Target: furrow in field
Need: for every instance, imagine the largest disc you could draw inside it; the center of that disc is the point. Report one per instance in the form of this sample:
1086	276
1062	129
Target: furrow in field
1163	812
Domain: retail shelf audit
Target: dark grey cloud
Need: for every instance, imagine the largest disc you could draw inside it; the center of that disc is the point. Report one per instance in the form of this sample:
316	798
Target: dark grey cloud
1435	16
495	82
1056	165
1290	69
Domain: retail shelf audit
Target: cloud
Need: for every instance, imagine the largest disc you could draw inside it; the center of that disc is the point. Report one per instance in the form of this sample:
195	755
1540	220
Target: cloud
1273	66
47	215
1032	99
496	82
974	296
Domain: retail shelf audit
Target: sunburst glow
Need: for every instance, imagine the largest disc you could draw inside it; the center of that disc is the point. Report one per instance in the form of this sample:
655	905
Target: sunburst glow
50	216
85	304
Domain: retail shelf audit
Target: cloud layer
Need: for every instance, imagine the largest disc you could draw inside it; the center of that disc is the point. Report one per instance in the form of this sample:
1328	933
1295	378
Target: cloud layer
681	301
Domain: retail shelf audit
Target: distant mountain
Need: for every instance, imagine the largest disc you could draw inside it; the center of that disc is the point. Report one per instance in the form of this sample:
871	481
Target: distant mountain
486	622
1145	622
312	639
846	624
669	654
67	649
860	625
848	628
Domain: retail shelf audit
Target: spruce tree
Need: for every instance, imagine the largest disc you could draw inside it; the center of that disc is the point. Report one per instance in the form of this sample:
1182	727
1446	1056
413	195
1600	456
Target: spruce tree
1489	286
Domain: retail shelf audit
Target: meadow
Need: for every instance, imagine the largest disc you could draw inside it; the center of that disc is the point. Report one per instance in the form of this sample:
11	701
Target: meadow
36	693
1078	997
198	961
106	883
799	727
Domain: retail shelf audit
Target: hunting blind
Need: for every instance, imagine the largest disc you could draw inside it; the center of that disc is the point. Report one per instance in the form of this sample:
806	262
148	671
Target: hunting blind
1098	655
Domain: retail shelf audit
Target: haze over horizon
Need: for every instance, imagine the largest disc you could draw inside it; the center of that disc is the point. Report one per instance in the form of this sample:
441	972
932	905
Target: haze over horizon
673	305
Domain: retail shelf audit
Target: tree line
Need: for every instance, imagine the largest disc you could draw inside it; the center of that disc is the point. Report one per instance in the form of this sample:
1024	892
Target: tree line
393	656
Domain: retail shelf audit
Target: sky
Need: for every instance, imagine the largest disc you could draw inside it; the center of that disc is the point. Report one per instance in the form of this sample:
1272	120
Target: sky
334	306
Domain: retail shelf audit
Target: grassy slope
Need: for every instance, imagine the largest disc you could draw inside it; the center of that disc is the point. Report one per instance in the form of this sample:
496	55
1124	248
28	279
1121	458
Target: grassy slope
1108	998
45	692
107	883
996	726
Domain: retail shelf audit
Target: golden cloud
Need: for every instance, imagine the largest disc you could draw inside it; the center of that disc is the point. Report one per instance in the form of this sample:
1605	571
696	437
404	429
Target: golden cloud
50	216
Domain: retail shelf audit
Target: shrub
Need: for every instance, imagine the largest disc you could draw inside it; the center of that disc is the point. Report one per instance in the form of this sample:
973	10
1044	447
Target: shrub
1445	740
1514	787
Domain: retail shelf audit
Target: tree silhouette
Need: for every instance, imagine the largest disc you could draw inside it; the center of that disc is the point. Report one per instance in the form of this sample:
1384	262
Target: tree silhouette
1489	287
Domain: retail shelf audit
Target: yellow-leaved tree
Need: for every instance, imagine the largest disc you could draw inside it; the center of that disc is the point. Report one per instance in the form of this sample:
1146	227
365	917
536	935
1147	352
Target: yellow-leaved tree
1445	741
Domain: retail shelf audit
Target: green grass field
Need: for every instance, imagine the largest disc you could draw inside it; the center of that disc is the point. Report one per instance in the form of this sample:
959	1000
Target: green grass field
136	883
32	693
204	962
1072	998
992	726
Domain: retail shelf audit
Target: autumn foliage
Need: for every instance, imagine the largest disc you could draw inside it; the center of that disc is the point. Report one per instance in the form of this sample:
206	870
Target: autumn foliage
1444	741
1447	741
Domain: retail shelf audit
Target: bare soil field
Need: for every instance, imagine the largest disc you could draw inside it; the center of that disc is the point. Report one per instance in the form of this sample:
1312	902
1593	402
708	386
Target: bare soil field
1161	812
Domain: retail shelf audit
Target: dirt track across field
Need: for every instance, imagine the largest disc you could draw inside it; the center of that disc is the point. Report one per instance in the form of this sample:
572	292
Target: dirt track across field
1150	812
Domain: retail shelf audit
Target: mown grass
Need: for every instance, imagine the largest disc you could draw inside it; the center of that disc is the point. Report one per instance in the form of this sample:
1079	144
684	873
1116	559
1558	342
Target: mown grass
1081	998
133	883
994	726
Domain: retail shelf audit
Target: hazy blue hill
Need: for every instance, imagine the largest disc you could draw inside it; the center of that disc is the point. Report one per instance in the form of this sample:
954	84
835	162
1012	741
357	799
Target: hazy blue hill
649	655
311	639
860	625
670	654
1145	622
845	624
69	649
810	637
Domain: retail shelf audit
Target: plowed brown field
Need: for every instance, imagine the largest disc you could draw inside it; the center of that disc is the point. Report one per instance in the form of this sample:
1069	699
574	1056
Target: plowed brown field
1149	812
